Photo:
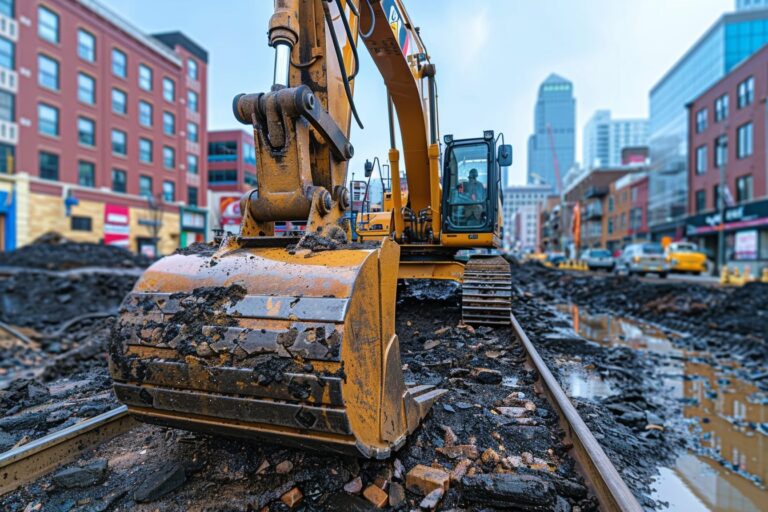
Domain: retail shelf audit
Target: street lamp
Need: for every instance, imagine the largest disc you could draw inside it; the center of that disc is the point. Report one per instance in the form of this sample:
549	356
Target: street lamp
722	151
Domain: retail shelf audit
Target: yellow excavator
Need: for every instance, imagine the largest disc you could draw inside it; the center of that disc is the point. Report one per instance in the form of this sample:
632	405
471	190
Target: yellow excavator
293	340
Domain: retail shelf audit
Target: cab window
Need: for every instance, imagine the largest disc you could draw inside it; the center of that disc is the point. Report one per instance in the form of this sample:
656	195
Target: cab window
467	169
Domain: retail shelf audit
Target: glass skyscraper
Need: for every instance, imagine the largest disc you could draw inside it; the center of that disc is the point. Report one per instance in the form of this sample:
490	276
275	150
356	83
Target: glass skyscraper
733	38
555	113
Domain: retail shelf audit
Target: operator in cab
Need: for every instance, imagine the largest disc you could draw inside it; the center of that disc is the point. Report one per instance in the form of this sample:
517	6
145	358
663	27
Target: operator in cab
475	192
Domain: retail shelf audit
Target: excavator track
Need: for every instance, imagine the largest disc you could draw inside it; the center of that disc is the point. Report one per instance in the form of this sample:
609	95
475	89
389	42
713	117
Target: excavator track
486	291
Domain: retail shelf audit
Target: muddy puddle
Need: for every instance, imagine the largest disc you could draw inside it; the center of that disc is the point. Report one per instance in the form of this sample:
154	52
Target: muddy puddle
726	467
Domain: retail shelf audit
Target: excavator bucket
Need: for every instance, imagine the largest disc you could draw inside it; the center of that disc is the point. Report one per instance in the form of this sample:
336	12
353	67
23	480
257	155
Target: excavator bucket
296	347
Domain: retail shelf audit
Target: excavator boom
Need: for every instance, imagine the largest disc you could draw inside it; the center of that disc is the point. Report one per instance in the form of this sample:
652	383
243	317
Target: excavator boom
292	340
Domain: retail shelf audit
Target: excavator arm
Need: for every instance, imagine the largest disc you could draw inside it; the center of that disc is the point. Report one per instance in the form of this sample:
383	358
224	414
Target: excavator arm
293	340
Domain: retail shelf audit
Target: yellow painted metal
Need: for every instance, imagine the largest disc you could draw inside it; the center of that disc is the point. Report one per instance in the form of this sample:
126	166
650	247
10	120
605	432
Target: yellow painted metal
469	240
435	187
397	204
442	270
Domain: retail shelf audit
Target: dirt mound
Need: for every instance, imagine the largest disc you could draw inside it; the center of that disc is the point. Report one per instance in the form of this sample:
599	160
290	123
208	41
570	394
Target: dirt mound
56	253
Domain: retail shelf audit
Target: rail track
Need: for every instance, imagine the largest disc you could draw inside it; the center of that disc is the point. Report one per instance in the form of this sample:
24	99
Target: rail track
25	464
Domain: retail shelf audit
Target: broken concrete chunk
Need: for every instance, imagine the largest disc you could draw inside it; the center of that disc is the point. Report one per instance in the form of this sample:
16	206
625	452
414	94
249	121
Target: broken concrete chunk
284	467
450	438
168	478
292	497
376	496
490	457
83	476
486	376
465	451
396	495
460	470
354	486
424	479
508	490
431	500
399	469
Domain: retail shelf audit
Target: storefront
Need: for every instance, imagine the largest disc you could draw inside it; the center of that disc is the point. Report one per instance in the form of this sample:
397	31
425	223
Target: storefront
746	234
7	219
193	226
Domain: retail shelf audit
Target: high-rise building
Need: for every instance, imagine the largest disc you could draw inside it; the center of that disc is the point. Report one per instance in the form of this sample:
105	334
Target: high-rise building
554	135
522	206
111	132
605	138
733	38
744	5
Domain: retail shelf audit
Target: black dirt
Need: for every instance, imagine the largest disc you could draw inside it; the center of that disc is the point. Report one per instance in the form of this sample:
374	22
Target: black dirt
56	253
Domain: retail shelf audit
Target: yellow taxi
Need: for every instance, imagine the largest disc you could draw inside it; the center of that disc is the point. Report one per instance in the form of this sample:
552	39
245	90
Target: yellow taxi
686	257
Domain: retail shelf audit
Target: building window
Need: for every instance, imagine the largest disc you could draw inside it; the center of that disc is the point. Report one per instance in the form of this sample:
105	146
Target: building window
7	106
86	45
192	132
192	69
145	150
7	157
119	63
86	131
47	120
169	123
145	77
169	157
7	53
222	176
192	165
701	200
745	141
145	114
49	166
47	72
169	90
249	154
79	223
721	151
145	186
6	8
86	89
746	92
118	181
169	191
721	108
48	25
701	159
610	204
250	179
119	142
701	120
744	189
119	102
610	226
192	196
222	151
192	101
86	174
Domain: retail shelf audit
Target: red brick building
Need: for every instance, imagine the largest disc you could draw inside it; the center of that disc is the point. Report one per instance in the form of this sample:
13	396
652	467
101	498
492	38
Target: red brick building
231	172
727	130
108	117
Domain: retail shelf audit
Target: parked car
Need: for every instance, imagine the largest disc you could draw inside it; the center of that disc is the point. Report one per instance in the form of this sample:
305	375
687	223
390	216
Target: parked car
642	259
686	257
599	259
555	258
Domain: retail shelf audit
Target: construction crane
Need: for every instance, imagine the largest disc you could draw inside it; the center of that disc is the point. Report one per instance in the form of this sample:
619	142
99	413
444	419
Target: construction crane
293	339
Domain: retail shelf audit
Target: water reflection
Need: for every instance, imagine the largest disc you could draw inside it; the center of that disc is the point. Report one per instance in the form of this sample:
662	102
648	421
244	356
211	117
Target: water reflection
728	414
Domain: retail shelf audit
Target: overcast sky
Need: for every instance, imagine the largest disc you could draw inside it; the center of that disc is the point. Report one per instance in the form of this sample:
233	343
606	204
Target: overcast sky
491	56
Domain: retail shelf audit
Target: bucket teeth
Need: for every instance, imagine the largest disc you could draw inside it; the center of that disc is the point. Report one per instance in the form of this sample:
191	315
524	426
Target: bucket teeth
272	345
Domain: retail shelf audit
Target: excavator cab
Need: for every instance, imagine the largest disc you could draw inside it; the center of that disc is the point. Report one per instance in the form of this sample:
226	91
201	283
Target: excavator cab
472	185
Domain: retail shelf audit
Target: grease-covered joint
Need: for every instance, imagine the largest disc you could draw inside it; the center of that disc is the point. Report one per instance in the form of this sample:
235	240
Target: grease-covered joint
341	196
245	107
284	23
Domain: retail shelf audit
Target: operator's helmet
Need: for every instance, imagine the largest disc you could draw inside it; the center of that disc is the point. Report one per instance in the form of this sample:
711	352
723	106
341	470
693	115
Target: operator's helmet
473	173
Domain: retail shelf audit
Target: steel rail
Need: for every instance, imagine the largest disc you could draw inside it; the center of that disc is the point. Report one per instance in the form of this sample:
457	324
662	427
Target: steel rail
601	475
23	465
